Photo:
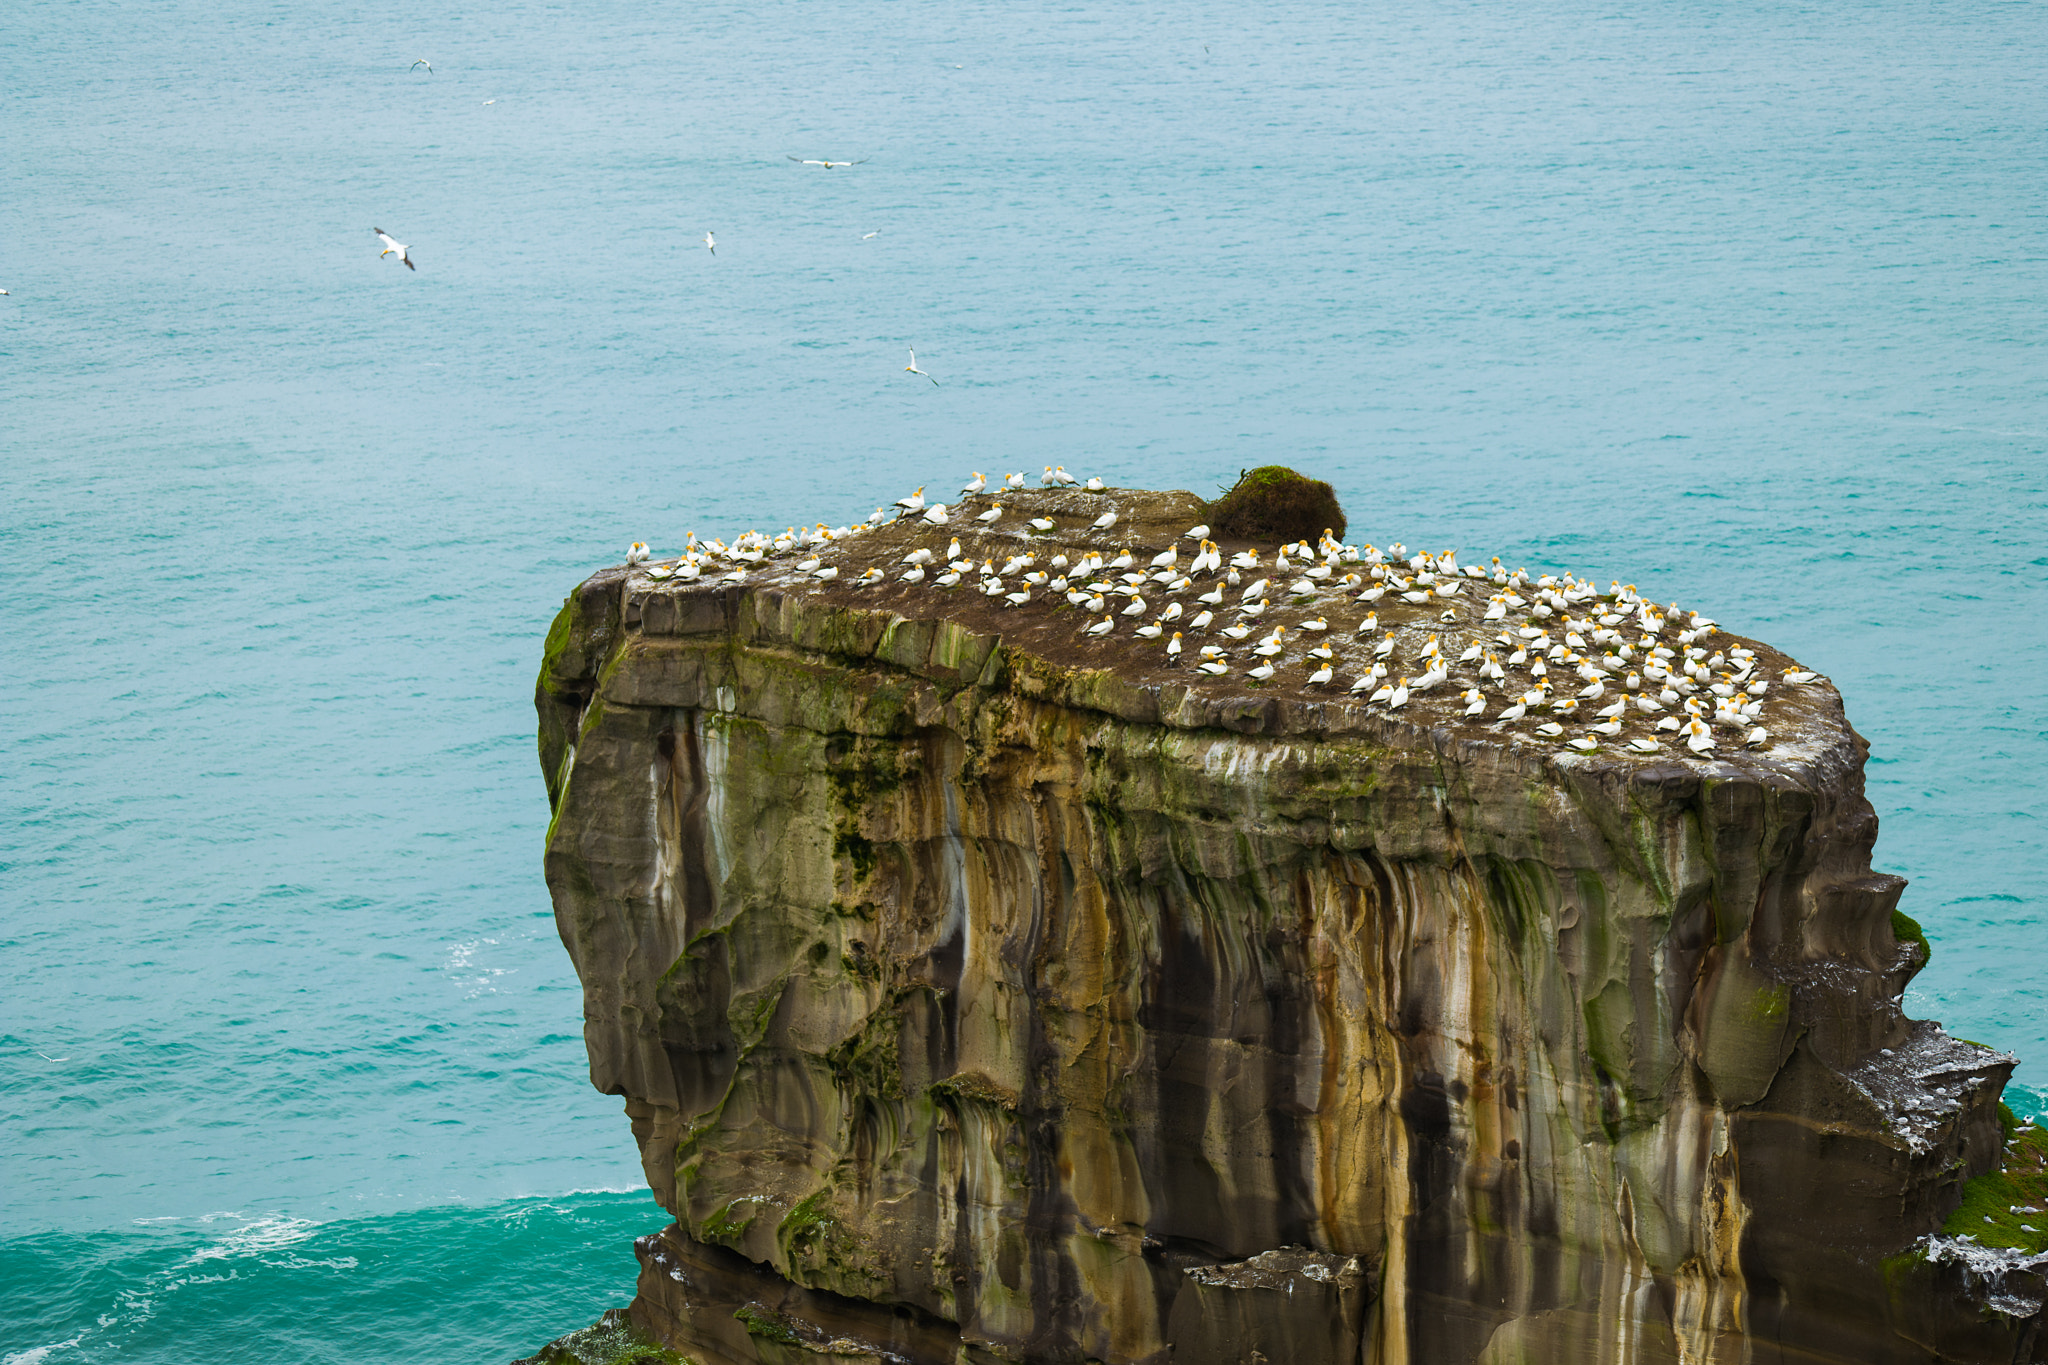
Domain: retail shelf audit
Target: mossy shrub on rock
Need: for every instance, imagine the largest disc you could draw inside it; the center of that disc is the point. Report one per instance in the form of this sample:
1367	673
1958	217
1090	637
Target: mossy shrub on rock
1273	502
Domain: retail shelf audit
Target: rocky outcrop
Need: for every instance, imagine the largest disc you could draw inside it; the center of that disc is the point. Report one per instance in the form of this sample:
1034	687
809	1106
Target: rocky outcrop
974	998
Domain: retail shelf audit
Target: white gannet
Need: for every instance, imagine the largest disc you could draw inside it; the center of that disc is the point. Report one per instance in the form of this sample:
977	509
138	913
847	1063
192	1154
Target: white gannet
420	63
947	579
1516	711
1609	727
1042	523
1197	532
1799	675
865	236
1644	745
1201	620
1046	480
1320	676
994	513
1093	485
1584	744
1166	558
1173	648
1213	597
935	514
974	485
1017	599
1699	737
637	553
1105	521
1102	627
711	244
1758	738
1315	624
1013	480
1215	668
1475	702
915	502
1137	606
912	366
1399	697
1550	728
916	575
828	165
1263	671
918	556
1172	612
1151	630
390	246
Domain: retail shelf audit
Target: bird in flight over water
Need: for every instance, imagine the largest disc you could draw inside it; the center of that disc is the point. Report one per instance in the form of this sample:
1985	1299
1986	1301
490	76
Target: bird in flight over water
711	244
420	63
391	246
828	165
912	366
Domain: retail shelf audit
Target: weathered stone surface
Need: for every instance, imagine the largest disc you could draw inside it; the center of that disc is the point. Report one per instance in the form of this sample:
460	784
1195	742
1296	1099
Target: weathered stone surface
974	1005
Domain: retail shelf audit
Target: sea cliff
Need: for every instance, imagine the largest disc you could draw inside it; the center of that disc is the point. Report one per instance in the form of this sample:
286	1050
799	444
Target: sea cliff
981	992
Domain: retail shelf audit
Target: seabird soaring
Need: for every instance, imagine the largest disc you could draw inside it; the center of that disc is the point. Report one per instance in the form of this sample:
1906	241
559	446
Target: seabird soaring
828	165
912	366
420	63
391	246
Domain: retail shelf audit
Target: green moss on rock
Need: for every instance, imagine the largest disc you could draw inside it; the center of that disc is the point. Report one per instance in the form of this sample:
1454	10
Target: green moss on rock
764	1322
1987	1214
1273	502
1906	929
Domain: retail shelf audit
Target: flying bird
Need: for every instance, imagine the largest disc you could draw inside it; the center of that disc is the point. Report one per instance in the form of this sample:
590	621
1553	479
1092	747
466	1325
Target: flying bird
828	165
420	63
912	366
391	246
711	244
865	235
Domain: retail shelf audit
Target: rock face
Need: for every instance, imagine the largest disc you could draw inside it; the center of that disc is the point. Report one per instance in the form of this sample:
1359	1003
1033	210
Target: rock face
972	1003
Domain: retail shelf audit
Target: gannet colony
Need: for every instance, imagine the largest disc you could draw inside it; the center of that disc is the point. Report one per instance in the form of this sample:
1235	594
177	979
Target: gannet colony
1544	658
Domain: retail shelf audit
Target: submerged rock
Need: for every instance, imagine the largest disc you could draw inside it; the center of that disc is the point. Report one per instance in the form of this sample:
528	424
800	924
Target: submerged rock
980	991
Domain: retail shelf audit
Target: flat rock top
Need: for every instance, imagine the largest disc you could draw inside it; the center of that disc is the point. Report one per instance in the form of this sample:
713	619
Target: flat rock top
1568	647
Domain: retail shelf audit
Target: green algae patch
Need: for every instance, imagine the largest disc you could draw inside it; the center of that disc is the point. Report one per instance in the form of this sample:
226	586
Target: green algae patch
1273	502
972	1085
767	1323
726	1225
2008	1207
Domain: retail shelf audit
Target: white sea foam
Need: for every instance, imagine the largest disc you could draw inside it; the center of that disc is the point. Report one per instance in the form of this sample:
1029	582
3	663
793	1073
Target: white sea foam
37	1355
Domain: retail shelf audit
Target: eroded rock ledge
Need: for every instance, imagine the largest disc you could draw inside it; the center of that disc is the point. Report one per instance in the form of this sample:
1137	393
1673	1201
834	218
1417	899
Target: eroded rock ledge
974	1002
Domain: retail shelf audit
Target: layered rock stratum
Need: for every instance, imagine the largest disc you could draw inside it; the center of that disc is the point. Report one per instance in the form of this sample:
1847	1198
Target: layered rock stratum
980	991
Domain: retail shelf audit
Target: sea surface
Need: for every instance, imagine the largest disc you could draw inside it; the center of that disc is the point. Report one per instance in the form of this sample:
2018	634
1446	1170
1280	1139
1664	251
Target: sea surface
1742	302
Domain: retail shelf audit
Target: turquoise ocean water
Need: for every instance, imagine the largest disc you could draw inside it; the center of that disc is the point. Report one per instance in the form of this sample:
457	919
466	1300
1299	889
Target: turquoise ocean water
1741	302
